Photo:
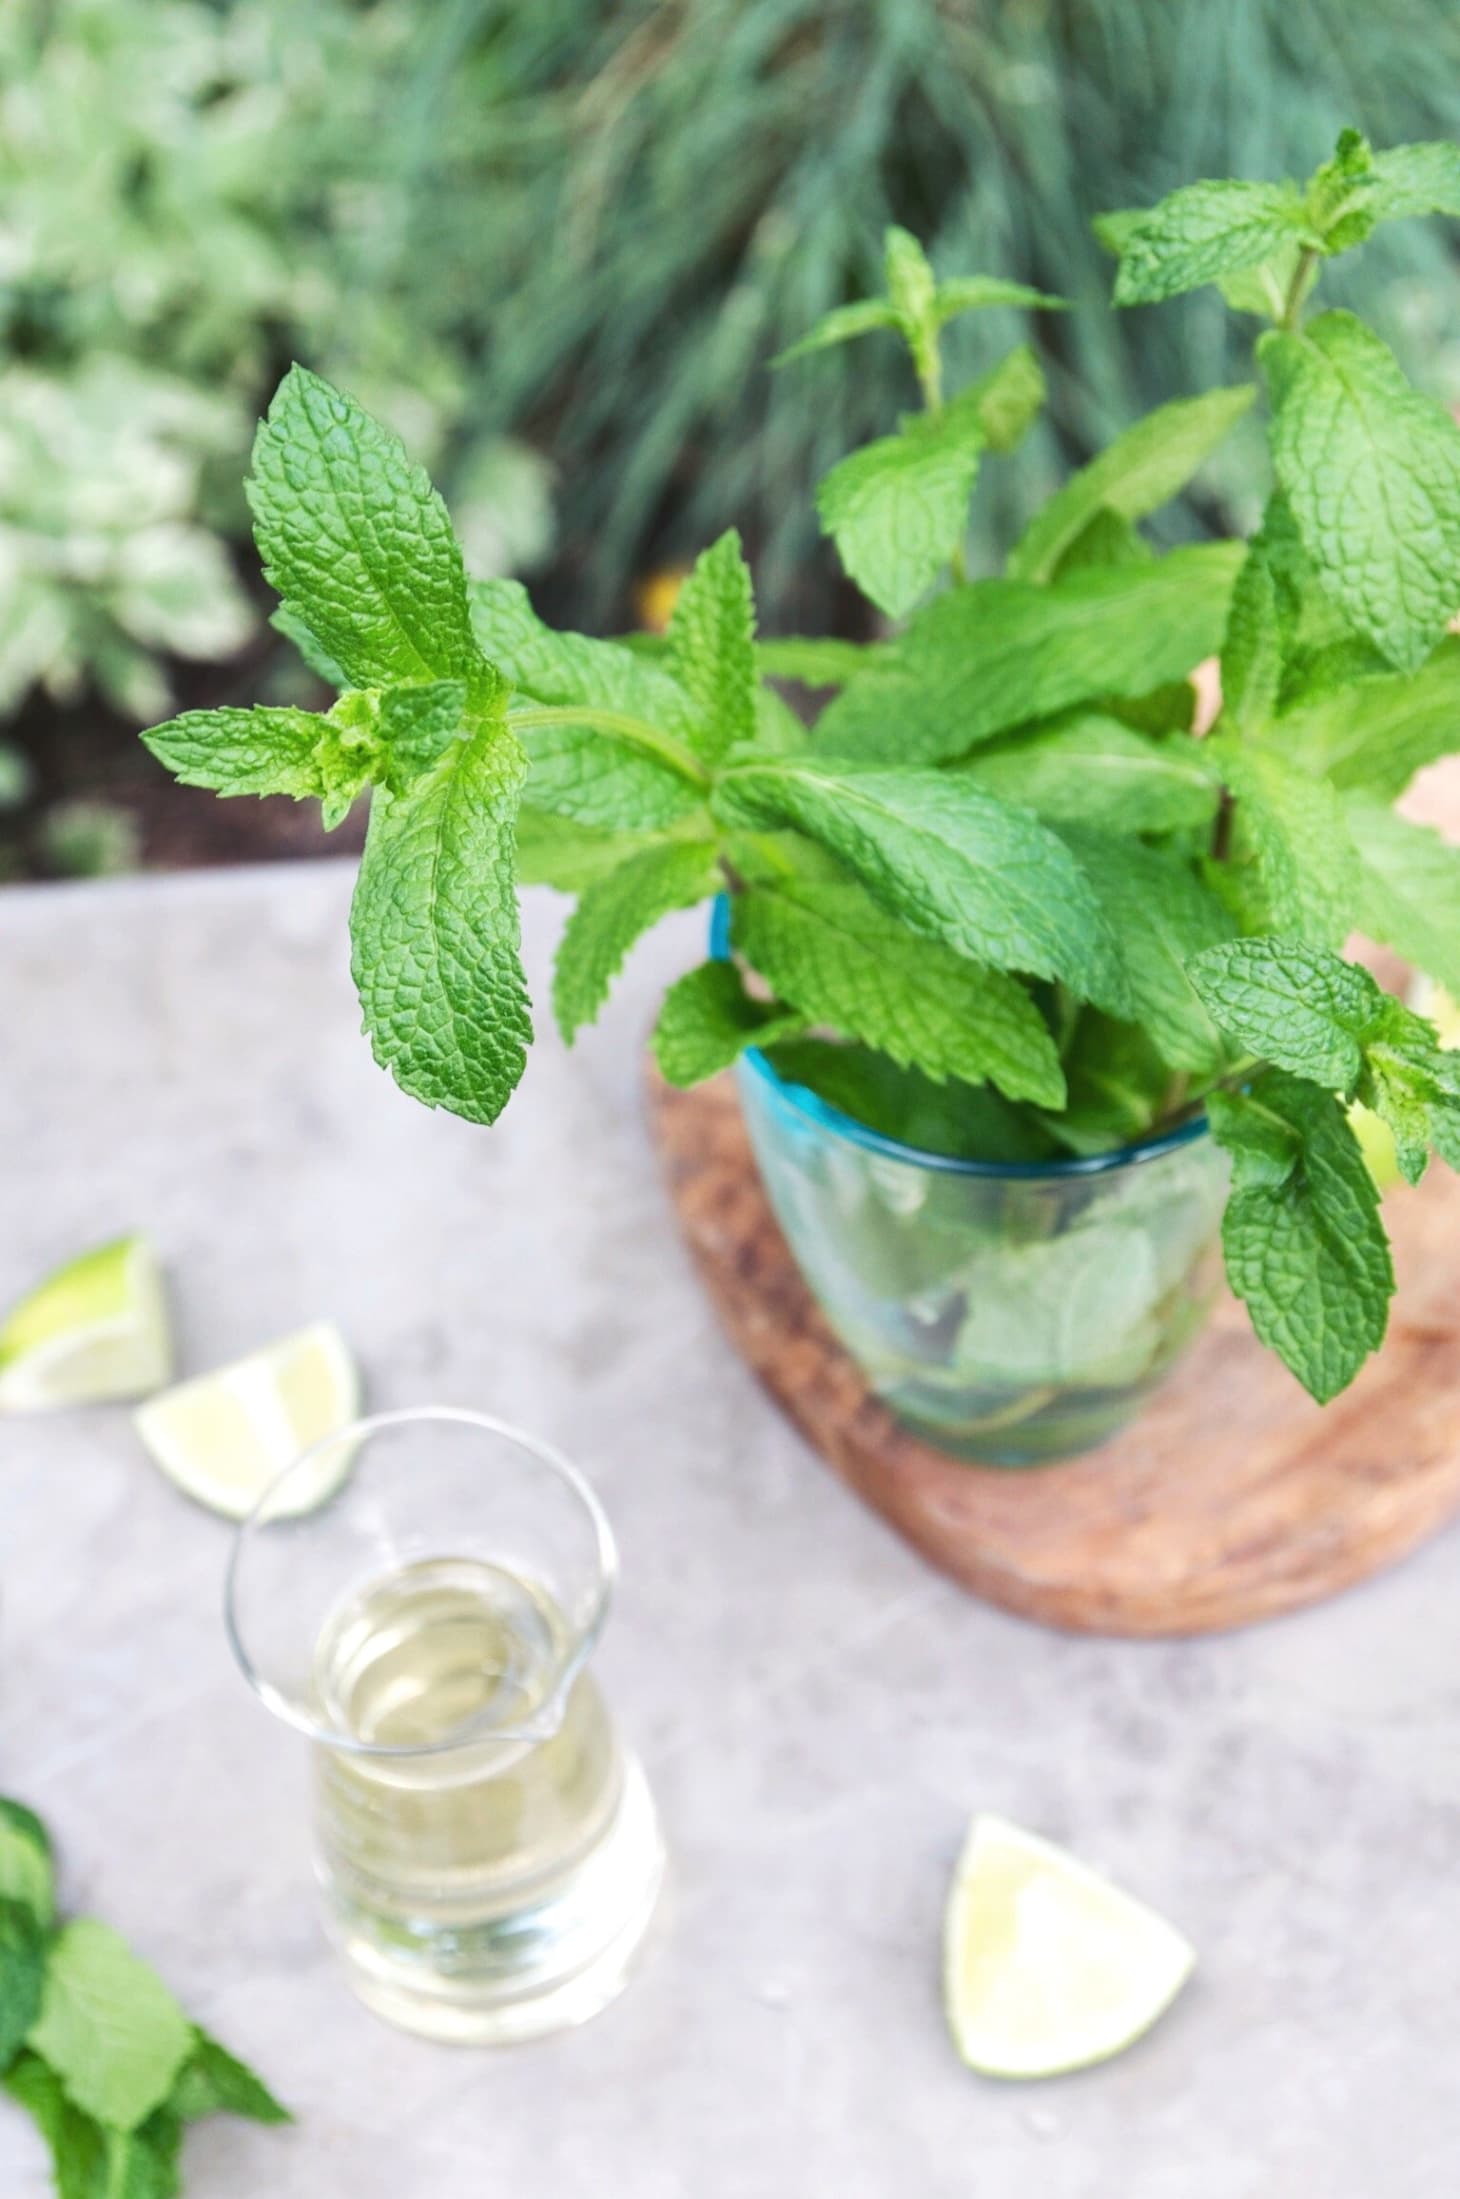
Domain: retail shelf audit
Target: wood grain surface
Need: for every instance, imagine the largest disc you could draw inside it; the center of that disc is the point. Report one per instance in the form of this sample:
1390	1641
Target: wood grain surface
1232	1498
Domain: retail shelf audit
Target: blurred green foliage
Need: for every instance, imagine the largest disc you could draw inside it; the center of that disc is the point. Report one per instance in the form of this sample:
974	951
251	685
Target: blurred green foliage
587	225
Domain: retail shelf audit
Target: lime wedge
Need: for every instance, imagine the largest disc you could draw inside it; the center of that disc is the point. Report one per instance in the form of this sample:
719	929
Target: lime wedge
97	1329
1048	1967
225	1436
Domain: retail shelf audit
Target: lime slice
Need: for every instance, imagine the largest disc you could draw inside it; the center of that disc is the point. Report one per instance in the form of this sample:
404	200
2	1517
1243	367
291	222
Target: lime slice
96	1329
1048	1967
224	1437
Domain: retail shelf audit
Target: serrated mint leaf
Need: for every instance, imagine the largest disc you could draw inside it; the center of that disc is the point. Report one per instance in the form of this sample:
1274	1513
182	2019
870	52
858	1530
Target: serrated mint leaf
108	2026
613	913
897	508
711	648
22	1972
1105	539
831	951
1141	470
1077	1308
79	2149
1416	179
287	621
214	2082
583	773
1203	232
1308	1254
707	1021
910	283
1162	915
1294	828
840	326
434	931
811	661
951	862
985	658
1093	770
27	1872
1263	289
1252	649
417	725
1371	470
266	750
554	851
1299	1007
976	293
1409	888
1374	733
358	543
558	668
1340	194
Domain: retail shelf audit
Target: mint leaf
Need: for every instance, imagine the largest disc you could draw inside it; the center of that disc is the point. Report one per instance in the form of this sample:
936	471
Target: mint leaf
983	659
898	507
1376	733
1252	650
358	543
976	293
711	648
434	931
1416	179
1074	1309
1162	915
1371	470
840	326
266	750
707	1021
830	951
581	772
1294	827
88	2160
22	1971
911	286
1093	770
558	668
553	851
213	2082
1409	888
1205	231
616	911
1305	1010
1118	1082
1141	470
1308	1252
954	864
1340	193
1006	399
417	726
27	1871
1105	539
108	2026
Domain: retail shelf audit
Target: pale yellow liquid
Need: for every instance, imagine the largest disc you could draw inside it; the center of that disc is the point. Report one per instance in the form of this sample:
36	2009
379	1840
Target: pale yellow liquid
487	1863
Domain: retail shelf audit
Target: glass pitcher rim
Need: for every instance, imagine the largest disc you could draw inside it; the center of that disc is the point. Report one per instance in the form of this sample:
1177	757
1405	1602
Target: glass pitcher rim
838	1123
472	1732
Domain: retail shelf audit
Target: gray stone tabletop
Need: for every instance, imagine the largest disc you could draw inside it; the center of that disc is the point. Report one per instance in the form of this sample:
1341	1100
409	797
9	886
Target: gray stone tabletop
819	1713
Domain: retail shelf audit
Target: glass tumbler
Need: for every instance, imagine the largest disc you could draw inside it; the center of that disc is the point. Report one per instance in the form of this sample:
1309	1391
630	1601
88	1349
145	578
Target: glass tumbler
421	1595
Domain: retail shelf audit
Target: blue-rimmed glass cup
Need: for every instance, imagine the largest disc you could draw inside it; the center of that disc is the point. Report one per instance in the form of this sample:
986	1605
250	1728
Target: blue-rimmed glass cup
1009	1313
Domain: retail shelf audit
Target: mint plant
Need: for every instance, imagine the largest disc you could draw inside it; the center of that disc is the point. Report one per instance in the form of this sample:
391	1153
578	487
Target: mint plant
998	899
92	2044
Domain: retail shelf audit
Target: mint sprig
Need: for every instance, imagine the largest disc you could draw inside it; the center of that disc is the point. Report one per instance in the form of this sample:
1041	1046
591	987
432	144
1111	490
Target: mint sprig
998	897
93	2045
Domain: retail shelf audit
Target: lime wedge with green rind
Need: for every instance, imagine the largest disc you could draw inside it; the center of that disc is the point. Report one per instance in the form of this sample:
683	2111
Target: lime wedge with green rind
96	1330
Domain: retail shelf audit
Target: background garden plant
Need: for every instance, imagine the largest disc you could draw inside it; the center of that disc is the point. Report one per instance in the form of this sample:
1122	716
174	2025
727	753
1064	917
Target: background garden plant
998	890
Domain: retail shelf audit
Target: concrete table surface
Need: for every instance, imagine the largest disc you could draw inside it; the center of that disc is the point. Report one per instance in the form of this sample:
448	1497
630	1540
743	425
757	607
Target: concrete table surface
818	1712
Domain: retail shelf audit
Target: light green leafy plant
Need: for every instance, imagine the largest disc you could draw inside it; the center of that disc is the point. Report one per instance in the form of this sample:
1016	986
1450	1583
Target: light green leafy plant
92	2044
999	867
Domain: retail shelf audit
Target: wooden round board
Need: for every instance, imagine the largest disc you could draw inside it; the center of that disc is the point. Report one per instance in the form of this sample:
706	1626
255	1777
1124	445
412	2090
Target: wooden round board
1232	1498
